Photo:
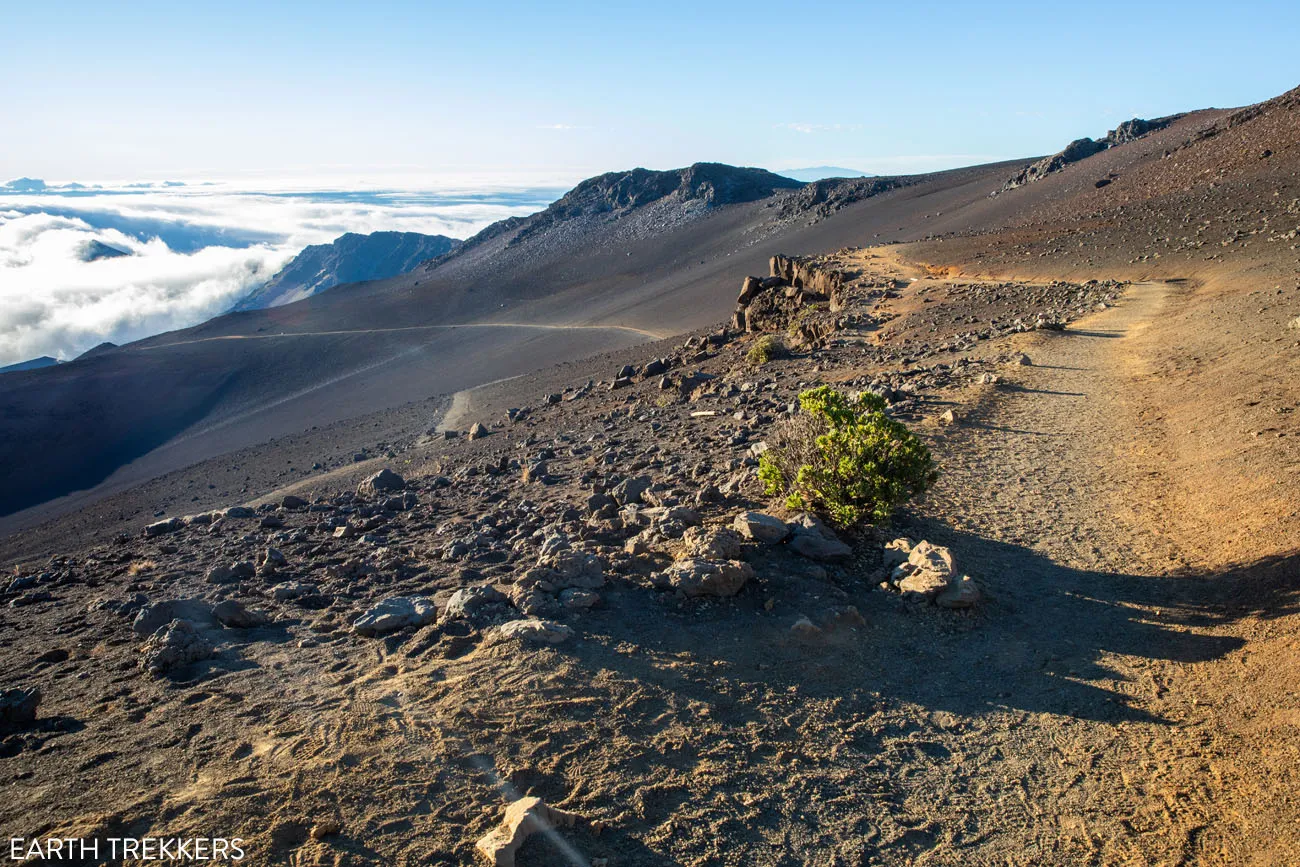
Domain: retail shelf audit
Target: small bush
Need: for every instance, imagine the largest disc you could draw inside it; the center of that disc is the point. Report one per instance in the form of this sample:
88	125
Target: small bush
843	458
766	348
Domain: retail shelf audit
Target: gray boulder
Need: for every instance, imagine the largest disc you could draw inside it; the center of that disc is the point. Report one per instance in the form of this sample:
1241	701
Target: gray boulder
178	644
234	615
231	573
395	613
383	482
630	490
159	528
761	527
816	541
465	602
705	577
536	630
18	707
159	614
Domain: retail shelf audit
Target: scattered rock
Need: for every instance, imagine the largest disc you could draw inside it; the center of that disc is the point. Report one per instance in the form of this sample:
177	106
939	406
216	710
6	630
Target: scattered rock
18	707
933	558
325	828
231	573
705	577
804	629
289	590
152	617
761	527
233	614
383	482
961	592
159	528
574	598
923	584
177	645
630	490
536	629
395	613
709	544
897	552
523	818
465	602
478	430
574	569
816	541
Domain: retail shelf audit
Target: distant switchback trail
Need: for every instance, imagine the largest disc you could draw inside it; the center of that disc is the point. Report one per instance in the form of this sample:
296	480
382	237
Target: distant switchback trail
285	334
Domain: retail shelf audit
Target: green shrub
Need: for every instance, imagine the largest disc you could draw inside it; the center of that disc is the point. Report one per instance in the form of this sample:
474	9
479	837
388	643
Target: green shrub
766	348
845	459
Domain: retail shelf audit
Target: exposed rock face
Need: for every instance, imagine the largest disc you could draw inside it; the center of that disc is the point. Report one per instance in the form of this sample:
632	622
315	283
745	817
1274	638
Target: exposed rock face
614	192
783	301
822	198
348	259
1083	148
523	818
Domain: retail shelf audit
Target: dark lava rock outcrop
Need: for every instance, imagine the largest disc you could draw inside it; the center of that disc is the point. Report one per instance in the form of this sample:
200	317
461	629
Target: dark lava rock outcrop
1079	149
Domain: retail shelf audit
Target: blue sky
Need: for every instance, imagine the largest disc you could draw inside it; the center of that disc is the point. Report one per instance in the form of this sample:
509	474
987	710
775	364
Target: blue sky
151	90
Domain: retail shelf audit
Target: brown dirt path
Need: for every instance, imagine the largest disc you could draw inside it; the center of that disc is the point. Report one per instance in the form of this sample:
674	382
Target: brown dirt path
1059	489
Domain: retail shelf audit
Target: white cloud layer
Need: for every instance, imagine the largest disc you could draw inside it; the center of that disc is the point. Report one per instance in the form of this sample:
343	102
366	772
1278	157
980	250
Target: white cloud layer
194	251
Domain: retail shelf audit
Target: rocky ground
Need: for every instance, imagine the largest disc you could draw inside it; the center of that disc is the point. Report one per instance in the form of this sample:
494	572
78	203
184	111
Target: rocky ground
585	597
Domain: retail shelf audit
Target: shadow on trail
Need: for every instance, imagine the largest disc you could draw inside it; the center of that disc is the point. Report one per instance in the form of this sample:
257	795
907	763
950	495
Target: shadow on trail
1045	641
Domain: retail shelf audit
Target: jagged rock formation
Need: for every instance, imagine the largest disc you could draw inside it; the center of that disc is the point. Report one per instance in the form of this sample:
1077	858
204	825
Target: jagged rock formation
614	194
820	199
796	287
1082	148
348	259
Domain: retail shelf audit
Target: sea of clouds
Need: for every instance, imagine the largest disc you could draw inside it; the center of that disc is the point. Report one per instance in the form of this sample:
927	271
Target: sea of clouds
196	248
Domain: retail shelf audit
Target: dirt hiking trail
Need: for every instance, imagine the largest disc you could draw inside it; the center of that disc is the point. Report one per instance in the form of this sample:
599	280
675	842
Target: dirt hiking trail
1143	753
